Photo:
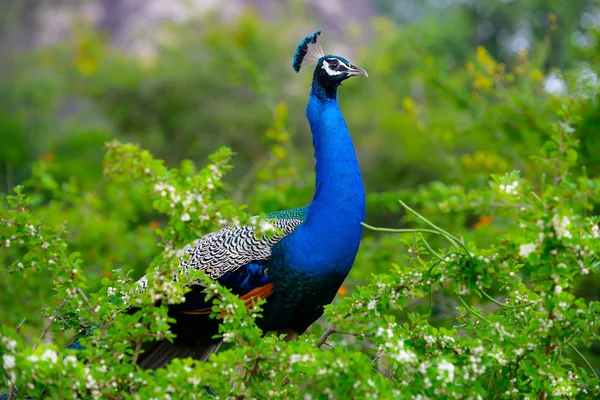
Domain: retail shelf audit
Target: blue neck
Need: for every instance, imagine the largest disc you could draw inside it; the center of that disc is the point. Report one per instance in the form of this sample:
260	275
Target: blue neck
338	206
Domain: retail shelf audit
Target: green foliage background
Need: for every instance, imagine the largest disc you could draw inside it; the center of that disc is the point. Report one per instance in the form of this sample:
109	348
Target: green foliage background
441	122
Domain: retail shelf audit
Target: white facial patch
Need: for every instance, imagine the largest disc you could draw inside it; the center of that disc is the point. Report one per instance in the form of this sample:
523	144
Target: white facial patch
313	53
332	72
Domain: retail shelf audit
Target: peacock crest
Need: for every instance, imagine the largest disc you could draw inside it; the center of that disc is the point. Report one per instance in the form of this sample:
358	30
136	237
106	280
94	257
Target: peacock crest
309	52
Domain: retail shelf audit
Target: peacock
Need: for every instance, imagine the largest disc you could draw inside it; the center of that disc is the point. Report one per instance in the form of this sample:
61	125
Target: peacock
299	270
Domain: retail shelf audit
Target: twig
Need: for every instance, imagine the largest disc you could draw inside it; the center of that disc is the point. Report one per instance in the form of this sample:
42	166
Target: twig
422	218
252	371
330	331
89	305
52	319
493	300
429	247
451	238
468	307
392	230
419	231
584	359
514	205
18	329
534	194
136	353
491	382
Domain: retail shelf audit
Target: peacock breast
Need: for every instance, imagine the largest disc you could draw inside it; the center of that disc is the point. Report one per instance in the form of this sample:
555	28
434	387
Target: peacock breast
298	299
306	276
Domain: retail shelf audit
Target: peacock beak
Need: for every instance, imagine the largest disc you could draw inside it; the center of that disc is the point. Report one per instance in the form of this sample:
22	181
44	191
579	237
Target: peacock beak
357	71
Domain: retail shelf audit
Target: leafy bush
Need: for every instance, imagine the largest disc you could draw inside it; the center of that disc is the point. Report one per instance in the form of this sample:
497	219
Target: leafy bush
519	329
485	286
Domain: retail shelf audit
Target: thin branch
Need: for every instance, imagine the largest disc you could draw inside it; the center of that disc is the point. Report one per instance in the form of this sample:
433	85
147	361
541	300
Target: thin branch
252	371
18	329
330	331
514	205
52	319
584	359
468	307
451	238
355	334
136	353
429	247
392	230
491	382
89	305
419	231
493	300
534	194
422	218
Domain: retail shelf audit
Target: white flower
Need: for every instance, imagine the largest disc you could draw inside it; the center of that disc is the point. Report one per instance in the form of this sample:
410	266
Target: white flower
228	336
8	361
266	226
560	226
511	188
33	358
7	243
185	217
372	304
555	85
11	344
70	359
448	367
595	231
45	245
405	356
381	331
49	355
557	289
430	340
111	291
526	249
295	358
519	352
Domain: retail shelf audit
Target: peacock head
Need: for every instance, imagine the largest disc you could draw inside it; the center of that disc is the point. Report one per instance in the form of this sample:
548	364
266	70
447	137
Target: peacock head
331	70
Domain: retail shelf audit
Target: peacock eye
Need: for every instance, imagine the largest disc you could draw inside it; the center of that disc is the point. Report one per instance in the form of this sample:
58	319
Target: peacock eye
333	64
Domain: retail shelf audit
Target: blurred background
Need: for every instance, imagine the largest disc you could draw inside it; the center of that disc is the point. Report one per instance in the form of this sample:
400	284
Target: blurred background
182	77
457	90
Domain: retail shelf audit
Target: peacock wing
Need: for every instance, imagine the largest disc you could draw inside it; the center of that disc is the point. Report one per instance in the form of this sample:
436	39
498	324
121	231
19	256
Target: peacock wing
231	248
236	258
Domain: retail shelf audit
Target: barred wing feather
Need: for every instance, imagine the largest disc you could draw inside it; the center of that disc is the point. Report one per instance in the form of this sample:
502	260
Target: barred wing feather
224	251
218	253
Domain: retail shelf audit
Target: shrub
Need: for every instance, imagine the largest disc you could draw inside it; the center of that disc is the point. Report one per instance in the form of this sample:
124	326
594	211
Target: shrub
519	328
